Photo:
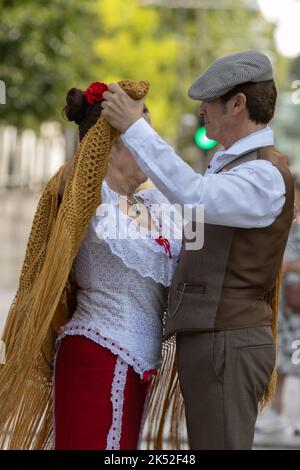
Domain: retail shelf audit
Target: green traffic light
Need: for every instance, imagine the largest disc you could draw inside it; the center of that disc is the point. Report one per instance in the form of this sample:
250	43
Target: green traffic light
203	141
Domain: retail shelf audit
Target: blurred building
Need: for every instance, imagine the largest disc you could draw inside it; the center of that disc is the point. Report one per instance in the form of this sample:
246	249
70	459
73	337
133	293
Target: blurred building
27	161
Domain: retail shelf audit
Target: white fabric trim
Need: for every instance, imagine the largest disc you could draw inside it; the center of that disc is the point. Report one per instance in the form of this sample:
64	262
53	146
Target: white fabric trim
74	329
145	264
117	399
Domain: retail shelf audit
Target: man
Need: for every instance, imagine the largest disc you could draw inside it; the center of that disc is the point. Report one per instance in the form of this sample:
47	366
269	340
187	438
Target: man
218	299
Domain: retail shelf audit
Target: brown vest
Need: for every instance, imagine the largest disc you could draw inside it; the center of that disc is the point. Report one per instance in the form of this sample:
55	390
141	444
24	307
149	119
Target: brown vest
224	285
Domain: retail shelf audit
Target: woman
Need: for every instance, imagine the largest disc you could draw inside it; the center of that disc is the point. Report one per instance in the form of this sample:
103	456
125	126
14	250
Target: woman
110	349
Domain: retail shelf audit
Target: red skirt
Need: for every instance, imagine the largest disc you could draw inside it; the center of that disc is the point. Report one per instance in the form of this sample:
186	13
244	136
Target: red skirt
98	398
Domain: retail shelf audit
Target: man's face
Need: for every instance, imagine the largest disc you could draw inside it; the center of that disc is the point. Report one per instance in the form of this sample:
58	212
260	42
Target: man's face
216	119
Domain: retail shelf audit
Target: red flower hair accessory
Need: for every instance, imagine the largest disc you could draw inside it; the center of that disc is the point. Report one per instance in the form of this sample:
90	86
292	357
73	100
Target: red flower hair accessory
94	92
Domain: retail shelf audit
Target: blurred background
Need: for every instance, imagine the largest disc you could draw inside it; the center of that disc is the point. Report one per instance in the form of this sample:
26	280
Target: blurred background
48	47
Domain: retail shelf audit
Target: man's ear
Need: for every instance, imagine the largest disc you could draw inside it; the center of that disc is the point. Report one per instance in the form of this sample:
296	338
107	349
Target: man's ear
239	103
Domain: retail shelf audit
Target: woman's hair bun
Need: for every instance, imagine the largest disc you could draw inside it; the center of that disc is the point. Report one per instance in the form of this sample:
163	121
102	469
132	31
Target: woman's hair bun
75	107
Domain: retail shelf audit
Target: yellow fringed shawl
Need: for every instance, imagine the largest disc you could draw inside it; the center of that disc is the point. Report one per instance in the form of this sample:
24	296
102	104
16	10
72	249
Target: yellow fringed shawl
40	305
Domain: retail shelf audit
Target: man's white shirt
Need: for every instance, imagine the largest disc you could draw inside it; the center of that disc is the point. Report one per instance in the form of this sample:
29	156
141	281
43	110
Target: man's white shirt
250	195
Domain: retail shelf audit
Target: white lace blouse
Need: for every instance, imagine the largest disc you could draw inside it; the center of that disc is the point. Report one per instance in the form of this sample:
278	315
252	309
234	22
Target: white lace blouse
122	282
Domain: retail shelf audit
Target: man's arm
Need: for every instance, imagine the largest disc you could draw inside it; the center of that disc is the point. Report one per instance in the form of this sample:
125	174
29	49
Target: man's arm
250	195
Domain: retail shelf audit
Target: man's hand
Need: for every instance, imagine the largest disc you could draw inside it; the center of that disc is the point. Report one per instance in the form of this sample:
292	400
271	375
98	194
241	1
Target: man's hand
119	109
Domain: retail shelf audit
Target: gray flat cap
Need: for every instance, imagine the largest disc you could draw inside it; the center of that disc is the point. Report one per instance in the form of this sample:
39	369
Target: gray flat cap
228	71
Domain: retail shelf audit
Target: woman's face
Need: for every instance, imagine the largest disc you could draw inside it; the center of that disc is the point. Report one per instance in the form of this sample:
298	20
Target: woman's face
122	160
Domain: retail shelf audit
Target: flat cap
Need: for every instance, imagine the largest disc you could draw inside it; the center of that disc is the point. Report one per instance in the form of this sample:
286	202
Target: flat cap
228	71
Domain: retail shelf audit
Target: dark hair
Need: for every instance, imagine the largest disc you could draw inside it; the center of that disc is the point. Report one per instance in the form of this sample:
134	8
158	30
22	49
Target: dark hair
85	115
79	110
261	99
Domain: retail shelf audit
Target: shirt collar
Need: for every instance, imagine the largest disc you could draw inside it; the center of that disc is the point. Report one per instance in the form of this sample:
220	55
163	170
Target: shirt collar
261	138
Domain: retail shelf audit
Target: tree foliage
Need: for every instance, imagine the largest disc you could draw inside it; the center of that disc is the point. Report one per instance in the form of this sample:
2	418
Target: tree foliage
170	48
48	47
45	47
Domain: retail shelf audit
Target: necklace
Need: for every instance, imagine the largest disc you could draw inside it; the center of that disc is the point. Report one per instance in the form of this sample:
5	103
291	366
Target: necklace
134	203
133	200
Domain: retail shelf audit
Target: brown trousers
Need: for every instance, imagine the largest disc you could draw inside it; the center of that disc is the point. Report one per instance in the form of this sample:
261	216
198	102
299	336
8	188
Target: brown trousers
222	376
